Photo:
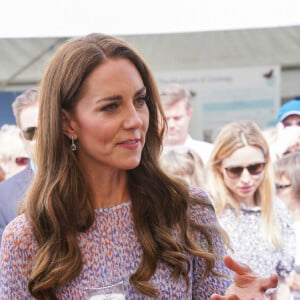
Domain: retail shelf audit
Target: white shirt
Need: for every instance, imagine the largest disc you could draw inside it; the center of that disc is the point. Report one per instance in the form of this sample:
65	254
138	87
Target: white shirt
202	148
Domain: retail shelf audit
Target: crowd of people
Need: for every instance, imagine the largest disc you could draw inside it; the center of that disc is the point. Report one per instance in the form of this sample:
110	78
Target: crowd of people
13	189
252	178
116	189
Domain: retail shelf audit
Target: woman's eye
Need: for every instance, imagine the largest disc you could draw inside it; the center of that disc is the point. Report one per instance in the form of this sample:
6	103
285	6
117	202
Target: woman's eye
110	107
141	100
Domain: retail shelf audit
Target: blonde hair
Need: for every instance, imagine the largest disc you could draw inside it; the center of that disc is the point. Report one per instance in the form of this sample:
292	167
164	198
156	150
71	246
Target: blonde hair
27	98
174	93
289	166
234	136
186	164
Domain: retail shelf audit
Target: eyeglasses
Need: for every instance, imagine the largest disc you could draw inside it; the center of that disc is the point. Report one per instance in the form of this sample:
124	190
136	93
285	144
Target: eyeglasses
22	161
29	133
282	186
254	169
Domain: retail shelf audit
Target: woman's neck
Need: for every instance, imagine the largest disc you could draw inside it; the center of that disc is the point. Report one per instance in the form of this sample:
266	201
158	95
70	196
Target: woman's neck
248	202
108	188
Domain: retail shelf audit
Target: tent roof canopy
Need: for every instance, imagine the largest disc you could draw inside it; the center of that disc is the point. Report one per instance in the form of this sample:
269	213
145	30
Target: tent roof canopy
23	60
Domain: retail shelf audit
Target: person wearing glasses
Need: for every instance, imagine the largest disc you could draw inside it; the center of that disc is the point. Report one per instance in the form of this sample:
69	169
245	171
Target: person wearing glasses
12	190
239	180
287	175
100	208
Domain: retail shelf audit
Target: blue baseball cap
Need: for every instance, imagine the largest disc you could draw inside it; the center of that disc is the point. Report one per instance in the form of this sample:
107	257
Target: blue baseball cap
289	108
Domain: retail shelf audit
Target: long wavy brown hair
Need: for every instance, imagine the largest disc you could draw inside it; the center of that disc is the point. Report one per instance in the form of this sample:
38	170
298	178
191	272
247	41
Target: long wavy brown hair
59	205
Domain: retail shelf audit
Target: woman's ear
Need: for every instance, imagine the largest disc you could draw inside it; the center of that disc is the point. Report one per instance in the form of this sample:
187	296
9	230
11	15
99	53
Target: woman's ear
67	125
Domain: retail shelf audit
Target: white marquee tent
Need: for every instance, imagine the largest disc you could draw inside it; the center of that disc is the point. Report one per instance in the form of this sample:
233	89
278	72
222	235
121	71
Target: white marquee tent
23	60
173	35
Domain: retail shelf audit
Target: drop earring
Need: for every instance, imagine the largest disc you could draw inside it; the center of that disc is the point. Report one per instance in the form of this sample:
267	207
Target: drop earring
73	145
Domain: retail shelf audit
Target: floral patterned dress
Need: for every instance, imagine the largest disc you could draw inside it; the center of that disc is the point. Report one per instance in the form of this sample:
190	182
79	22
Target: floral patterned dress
111	252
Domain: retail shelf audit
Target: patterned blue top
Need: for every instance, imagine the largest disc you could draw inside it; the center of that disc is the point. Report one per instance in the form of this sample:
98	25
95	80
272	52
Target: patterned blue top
111	252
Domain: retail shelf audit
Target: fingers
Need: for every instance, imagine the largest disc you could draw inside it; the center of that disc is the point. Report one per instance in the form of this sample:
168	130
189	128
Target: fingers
269	283
218	297
244	276
233	265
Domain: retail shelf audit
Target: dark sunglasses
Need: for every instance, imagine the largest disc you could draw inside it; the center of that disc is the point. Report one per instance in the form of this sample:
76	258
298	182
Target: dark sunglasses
254	169
29	133
22	161
282	186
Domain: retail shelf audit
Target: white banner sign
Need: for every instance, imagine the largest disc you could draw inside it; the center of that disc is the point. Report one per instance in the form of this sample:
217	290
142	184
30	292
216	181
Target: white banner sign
226	95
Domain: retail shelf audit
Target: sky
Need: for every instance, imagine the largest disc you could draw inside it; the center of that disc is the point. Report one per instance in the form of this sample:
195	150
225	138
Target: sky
54	18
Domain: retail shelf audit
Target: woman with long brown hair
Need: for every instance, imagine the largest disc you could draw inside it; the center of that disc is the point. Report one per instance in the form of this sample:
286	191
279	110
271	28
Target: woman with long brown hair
100	208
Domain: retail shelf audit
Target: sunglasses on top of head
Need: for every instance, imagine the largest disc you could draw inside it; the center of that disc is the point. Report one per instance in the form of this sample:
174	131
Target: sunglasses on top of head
29	133
253	169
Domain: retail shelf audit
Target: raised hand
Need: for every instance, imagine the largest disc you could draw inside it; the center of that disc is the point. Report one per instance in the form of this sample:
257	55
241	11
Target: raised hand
247	285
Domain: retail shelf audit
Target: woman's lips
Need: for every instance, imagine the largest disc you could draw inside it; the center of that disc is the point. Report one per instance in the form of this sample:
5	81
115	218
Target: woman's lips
246	189
130	144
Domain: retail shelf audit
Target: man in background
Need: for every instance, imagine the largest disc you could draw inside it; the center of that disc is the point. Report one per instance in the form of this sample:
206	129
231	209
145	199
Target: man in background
288	129
13	190
176	102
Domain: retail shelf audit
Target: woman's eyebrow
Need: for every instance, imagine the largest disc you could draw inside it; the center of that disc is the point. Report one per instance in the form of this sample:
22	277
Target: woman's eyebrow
119	97
140	91
110	98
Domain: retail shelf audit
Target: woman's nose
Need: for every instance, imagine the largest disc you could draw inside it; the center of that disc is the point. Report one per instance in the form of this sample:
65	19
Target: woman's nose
132	118
245	176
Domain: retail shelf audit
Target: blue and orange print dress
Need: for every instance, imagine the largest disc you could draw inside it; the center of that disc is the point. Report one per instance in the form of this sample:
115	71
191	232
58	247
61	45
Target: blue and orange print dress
111	252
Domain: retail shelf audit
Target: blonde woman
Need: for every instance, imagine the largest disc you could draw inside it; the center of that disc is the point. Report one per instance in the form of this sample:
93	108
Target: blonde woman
241	185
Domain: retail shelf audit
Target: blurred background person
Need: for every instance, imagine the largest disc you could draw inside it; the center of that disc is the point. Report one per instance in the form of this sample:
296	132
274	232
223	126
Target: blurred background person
2	174
25	109
186	164
287	178
270	134
176	102
288	129
240	181
12	151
